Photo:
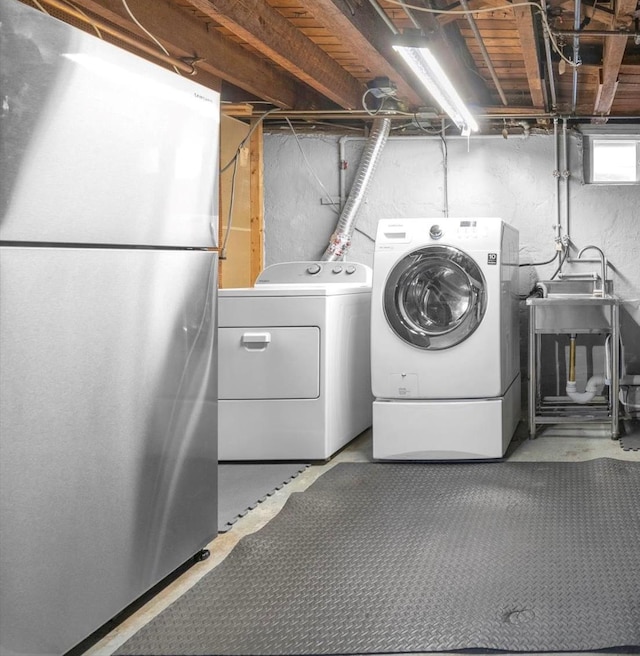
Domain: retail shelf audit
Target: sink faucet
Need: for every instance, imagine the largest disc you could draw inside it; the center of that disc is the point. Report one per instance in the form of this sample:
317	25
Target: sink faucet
603	270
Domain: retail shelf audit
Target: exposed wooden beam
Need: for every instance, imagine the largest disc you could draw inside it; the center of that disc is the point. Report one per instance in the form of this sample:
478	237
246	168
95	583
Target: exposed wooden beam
184	35
600	14
237	110
264	29
365	34
526	30
614	47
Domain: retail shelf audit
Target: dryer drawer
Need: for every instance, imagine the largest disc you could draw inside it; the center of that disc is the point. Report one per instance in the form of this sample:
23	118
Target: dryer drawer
269	363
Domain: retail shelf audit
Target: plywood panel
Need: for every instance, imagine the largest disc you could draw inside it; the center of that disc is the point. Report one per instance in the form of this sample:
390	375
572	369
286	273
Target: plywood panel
235	269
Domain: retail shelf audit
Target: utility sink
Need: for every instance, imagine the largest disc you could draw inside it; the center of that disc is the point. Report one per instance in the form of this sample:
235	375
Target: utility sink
571	306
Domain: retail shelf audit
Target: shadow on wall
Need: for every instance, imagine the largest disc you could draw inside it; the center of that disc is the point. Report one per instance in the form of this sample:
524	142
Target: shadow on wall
630	331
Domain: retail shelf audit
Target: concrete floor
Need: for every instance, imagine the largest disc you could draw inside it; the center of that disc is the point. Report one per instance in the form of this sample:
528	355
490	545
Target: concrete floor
564	444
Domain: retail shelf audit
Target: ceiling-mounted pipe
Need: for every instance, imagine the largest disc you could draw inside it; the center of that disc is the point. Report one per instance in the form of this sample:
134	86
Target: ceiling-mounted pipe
121	36
483	50
595	33
576	54
547	51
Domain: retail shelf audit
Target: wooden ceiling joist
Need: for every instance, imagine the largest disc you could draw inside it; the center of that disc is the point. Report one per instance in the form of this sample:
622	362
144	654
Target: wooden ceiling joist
317	56
614	48
528	39
365	33
275	37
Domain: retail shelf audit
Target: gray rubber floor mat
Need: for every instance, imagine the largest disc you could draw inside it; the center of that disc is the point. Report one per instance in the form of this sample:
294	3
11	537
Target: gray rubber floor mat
630	436
390	557
242	486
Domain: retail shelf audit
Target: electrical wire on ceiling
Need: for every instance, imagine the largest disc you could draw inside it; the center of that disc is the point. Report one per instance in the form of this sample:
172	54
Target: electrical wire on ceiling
101	26
383	97
485	10
40	7
93	25
146	31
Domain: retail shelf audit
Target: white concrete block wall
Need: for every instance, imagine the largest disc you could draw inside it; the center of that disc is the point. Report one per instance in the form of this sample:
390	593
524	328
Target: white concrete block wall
486	176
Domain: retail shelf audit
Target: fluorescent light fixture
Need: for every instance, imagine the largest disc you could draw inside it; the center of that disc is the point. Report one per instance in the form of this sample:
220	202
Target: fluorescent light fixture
430	73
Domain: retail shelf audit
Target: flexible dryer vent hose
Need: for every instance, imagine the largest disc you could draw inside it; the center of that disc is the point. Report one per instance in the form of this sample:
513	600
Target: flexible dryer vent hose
341	237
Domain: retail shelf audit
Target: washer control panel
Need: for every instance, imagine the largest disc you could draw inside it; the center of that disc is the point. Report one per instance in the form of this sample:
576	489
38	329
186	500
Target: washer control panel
353	273
397	234
435	232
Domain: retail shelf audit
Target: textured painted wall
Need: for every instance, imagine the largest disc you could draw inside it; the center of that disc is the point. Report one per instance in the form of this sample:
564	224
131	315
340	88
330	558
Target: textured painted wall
488	176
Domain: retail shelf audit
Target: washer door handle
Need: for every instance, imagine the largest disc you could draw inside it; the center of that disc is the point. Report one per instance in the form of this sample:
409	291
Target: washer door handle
255	341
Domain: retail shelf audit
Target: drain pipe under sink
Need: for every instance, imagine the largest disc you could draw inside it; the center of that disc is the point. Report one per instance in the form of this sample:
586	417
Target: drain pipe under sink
593	384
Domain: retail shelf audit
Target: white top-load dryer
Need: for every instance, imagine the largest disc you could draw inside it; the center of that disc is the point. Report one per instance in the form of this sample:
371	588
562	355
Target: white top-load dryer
445	338
294	362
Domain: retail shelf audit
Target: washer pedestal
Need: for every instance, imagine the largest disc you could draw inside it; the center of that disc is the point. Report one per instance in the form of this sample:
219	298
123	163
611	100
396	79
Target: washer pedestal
470	428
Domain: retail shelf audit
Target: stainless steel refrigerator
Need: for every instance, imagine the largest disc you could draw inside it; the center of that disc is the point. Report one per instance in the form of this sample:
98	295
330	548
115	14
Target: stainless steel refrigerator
108	381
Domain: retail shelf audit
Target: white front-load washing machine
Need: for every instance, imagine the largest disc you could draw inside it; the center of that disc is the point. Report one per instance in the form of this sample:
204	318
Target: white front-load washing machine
294	362
444	339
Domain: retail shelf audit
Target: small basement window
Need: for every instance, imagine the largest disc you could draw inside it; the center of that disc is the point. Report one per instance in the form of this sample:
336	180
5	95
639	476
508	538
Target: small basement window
611	157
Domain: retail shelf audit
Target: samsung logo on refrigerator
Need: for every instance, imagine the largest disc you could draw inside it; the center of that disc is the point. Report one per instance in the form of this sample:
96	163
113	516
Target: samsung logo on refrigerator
201	97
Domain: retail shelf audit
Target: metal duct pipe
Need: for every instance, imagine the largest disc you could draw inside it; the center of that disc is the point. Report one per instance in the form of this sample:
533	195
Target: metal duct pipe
341	237
576	55
483	50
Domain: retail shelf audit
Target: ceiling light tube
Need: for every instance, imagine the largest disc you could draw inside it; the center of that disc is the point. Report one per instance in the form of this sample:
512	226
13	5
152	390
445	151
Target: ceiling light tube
430	73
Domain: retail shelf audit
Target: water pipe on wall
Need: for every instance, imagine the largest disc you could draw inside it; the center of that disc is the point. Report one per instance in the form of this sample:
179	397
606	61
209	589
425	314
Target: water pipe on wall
557	174
564	175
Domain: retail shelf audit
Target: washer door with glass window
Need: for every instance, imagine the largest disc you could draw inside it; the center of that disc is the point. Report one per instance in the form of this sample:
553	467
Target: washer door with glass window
435	297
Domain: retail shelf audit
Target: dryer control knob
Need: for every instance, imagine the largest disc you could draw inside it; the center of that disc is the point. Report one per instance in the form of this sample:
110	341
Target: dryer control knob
435	232
350	269
314	269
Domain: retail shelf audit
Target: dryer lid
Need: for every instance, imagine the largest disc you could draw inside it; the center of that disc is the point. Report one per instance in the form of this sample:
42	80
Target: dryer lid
435	297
